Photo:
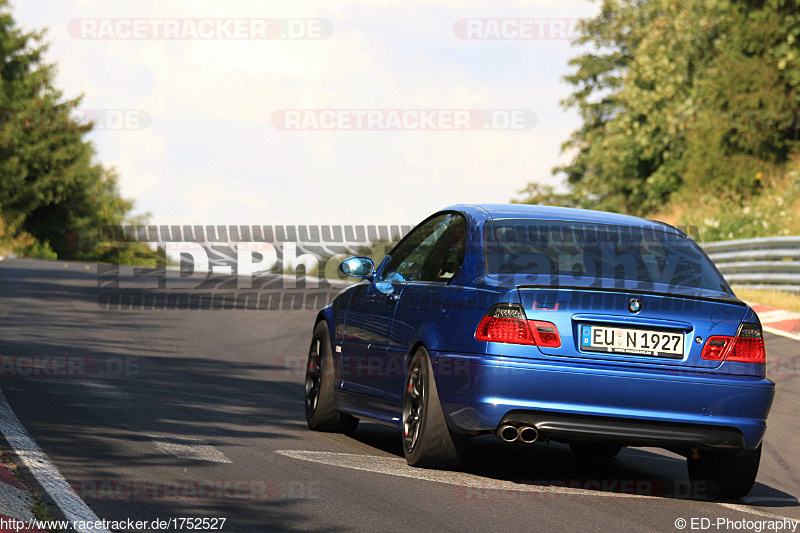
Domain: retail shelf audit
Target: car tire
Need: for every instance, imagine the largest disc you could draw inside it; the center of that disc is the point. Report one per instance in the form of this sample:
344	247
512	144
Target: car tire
595	449
427	441
727	475
321	412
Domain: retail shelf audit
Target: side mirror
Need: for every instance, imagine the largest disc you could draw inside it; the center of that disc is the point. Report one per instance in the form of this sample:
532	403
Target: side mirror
358	267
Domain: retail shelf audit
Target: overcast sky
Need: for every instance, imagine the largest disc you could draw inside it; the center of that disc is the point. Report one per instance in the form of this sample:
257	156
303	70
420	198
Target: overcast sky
206	148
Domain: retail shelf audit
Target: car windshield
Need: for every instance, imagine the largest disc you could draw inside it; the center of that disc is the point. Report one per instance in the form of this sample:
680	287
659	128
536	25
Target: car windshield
574	253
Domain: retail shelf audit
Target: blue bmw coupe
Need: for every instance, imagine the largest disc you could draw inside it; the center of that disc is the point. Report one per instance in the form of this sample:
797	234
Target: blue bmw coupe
536	323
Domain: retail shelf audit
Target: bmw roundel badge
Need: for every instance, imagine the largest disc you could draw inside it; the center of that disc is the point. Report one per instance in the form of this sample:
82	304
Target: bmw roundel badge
634	305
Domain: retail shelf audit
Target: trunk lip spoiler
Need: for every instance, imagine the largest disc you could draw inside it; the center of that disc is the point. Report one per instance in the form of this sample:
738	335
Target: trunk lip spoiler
722	299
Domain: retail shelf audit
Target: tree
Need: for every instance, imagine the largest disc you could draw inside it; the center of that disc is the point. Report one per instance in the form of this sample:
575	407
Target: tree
50	183
539	194
632	98
598	77
747	121
679	97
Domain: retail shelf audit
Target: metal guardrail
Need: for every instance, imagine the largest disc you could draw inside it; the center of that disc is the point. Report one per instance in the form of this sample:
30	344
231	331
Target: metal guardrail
765	263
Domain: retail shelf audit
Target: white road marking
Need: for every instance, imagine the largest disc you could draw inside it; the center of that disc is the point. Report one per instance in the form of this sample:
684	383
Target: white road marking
776	331
768	499
644	457
188	449
779	315
398	467
48	476
750	510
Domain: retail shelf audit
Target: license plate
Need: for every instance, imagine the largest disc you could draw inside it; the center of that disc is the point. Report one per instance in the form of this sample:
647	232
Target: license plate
631	341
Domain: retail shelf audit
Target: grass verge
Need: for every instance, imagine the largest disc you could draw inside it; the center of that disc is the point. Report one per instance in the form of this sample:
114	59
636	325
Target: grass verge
780	299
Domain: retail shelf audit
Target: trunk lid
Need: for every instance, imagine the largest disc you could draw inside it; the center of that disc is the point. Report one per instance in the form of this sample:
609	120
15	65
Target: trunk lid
623	326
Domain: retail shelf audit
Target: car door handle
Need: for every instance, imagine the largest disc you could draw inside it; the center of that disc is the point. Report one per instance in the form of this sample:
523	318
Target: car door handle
392	298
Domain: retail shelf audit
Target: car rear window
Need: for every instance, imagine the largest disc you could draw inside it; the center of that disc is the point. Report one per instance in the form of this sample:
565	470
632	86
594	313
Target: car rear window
560	251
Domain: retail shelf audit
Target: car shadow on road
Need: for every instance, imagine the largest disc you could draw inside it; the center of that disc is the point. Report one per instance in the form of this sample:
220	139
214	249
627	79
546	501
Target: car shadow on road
636	471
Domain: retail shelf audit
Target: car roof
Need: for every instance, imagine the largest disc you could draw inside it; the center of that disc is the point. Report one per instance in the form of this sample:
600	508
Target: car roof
545	212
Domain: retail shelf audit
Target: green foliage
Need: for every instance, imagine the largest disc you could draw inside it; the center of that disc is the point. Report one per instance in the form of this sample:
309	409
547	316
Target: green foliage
50	184
42	512
681	98
773	210
748	101
39	250
539	194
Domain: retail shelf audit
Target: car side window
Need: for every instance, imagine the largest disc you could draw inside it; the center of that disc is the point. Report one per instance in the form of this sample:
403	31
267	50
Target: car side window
448	253
433	251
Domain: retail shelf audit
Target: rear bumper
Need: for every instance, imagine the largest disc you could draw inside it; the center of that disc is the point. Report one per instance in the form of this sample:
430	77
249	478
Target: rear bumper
571	401
569	427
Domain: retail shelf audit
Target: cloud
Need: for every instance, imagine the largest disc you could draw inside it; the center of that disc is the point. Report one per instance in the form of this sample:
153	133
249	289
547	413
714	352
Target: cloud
212	155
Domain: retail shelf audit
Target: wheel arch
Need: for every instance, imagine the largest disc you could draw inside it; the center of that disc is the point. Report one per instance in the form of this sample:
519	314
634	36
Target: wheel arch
326	314
412	351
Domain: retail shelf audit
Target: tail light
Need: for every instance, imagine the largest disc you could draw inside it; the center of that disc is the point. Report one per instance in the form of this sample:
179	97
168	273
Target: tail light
545	334
749	345
746	347
507	323
716	347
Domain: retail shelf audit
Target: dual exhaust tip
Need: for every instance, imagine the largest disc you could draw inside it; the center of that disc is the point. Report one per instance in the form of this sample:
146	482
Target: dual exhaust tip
524	433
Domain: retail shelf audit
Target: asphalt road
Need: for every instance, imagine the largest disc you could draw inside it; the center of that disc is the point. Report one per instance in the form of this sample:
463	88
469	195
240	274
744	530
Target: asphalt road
161	405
